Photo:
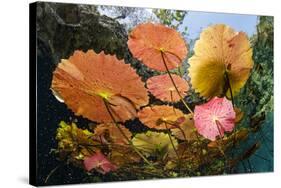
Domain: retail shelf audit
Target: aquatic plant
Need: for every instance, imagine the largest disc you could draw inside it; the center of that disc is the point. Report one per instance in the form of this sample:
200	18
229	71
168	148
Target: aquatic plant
99	162
149	42
160	48
172	143
74	143
185	130
110	133
123	155
155	144
221	63
160	116
215	117
86	80
162	87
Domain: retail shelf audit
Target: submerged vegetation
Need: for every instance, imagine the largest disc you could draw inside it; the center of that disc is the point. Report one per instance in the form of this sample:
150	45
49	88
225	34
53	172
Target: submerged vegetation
231	75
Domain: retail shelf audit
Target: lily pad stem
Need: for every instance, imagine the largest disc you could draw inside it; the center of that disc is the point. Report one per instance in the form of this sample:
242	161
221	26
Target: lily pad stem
230	89
173	82
123	134
170	137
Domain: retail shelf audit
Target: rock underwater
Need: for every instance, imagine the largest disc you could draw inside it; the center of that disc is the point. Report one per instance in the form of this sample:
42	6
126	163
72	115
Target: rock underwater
63	29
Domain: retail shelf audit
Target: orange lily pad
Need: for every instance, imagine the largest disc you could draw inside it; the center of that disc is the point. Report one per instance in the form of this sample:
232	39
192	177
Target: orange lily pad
111	131
160	116
86	81
186	130
148	42
162	87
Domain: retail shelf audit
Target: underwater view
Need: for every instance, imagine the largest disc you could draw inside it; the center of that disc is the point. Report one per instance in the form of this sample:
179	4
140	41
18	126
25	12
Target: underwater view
129	93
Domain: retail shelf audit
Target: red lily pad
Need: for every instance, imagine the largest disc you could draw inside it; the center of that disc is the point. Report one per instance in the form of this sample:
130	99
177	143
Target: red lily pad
214	118
100	163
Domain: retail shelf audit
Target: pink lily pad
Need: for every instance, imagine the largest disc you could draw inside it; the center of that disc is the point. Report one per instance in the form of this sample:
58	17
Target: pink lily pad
214	118
99	162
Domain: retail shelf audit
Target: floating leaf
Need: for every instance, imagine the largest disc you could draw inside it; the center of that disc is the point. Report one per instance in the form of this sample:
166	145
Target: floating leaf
123	154
148	42
86	80
162	87
186	130
220	52
155	144
111	131
78	142
214	118
160	116
99	162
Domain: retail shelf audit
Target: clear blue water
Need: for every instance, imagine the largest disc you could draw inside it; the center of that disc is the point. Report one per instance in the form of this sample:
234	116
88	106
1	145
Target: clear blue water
196	21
